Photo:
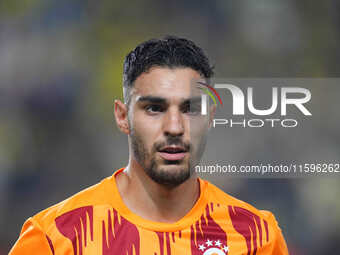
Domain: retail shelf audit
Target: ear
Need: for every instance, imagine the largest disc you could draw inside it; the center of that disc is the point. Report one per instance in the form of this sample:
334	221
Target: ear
121	116
212	112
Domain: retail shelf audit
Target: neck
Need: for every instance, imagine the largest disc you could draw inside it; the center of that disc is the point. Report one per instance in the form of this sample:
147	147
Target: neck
159	202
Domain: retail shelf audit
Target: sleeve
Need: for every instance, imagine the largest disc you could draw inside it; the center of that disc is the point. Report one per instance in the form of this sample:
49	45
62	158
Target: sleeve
280	246
32	240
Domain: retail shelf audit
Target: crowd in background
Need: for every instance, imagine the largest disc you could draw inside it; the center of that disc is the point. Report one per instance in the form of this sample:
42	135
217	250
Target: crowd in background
61	69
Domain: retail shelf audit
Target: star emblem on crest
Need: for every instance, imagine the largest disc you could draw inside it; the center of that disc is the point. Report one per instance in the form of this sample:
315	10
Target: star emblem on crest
213	247
218	243
201	247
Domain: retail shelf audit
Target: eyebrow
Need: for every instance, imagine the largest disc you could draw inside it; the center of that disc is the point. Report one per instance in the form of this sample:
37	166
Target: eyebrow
152	99
193	100
162	100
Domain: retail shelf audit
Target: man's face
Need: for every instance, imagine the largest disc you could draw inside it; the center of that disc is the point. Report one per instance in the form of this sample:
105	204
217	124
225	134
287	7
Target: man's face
167	130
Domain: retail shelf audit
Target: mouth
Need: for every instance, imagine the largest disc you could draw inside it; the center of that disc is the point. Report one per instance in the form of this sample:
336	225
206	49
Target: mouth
172	153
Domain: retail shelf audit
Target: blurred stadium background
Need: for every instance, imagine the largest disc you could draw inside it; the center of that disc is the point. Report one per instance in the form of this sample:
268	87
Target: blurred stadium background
60	69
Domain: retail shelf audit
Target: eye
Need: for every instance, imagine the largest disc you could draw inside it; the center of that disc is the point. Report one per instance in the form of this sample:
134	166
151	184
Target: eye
154	108
192	108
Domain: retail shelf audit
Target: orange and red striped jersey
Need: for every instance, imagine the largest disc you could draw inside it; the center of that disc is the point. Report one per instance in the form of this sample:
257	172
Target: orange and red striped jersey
96	221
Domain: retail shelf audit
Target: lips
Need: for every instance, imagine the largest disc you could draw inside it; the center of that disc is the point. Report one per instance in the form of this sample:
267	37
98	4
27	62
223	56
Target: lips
173	153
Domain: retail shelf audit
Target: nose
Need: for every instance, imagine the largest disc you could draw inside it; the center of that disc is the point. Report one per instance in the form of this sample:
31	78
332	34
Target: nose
174	123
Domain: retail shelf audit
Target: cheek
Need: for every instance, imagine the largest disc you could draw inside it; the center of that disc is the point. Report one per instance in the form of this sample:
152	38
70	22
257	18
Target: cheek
198	132
198	127
148	130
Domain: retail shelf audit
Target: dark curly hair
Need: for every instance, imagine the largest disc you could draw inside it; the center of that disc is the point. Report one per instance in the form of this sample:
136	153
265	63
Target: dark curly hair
171	51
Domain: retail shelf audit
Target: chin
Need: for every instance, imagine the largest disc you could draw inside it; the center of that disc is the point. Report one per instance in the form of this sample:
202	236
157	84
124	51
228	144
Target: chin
169	174
174	167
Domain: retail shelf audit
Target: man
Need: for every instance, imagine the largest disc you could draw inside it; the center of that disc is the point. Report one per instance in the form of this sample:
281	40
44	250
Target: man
156	204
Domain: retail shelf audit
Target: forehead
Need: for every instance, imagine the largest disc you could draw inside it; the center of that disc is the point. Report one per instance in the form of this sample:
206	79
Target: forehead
169	83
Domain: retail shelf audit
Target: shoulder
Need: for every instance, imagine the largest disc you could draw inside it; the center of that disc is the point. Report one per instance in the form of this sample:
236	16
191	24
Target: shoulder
217	195
240	212
65	219
81	202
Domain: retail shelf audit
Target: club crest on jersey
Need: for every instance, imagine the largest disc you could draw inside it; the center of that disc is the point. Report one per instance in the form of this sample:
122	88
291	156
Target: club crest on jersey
213	248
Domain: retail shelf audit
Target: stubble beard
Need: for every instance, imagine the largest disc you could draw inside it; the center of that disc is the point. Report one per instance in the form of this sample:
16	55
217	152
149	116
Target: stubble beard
152	167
